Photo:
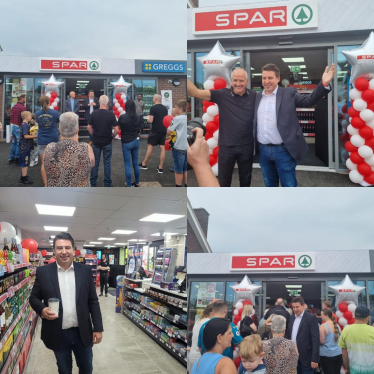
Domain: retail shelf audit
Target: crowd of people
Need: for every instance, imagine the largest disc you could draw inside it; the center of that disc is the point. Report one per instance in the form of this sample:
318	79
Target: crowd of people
67	162
300	340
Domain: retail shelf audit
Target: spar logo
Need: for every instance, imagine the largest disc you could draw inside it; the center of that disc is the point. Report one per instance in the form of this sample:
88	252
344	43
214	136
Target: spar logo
305	261
94	65
212	62
302	14
365	57
344	290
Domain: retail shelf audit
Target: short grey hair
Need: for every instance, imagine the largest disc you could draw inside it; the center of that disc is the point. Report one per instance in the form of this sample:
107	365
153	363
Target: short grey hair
245	72
104	100
158	97
69	124
278	324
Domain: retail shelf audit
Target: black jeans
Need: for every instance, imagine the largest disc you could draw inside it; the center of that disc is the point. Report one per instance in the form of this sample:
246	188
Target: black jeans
228	156
104	282
331	365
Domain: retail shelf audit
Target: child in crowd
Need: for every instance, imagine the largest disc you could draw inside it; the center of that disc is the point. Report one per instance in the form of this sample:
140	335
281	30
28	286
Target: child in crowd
35	152
252	355
177	132
26	145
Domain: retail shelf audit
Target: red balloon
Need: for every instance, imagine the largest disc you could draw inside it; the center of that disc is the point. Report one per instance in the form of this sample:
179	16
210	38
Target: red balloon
114	109
120	101
240	311
54	95
364	169
247	303
371	106
57	108
353	112
77	252
216	119
370	143
237	362
370	178
356	158
167	145
351	321
212	160
350	147
219	84
51	100
368	96
208	135
118	96
366	132
344	138
215	153
343	307
348	315
357	122
344	108
211	127
207	103
362	84
43	253
116	112
167	120
29	244
204	109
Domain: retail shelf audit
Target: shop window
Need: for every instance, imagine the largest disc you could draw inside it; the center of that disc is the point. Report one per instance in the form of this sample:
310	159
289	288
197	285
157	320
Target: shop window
147	88
371	300
189	76
362	300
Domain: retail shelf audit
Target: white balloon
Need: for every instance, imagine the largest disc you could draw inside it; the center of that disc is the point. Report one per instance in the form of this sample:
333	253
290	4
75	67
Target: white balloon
354	94
51	107
117	105
213	110
371	84
370	161
54	104
48	94
83	252
360	105
352	130
123	97
208	84
216	135
350	119
57	100
210	151
120	109
365	151
367	115
344	155
345	123
204	123
7	231
215	169
357	140
351	165
352	307
370	124
239	305
207	118
236	312
115	101
339	314
355	176
123	111
343	322
212	143
236	354
365	184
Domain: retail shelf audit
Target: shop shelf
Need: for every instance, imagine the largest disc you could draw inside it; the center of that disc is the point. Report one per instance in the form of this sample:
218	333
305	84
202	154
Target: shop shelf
309	134
305	109
163	301
31	345
19	266
176	293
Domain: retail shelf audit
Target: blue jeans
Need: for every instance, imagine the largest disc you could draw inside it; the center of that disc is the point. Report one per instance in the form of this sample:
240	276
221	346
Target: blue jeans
71	341
179	161
130	153
277	164
15	150
107	156
301	369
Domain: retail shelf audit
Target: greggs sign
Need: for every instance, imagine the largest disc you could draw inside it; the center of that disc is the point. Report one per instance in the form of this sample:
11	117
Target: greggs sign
70	64
252	17
273	262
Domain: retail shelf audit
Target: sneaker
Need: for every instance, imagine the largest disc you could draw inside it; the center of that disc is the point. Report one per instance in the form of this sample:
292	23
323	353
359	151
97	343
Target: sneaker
16	160
142	166
159	171
101	294
11	161
25	182
134	184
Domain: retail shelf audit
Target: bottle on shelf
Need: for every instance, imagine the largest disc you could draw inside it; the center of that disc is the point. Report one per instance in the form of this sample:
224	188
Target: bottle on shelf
2	251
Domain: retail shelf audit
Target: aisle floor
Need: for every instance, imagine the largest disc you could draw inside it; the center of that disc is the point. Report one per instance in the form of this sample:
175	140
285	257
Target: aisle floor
124	349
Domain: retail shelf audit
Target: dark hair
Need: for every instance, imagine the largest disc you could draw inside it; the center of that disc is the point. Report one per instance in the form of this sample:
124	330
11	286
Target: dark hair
327	312
219	306
91	91
318	312
298	299
130	108
140	95
21	96
103	255
63	236
272	67
213	328
182	104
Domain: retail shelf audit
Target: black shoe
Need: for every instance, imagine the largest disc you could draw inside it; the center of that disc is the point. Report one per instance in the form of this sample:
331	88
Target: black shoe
16	160
106	295
142	166
160	171
11	161
101	294
24	181
134	184
172	170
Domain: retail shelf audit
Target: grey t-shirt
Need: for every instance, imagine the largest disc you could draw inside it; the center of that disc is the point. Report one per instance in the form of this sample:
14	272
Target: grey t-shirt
179	125
139	107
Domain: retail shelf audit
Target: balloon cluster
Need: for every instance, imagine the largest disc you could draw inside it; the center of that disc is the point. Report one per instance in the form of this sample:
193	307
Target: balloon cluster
358	136
166	122
346	314
52	90
77	252
120	92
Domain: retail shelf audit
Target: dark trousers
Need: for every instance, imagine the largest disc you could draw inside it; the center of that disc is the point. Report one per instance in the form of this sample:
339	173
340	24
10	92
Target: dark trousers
301	369
228	156
71	341
104	282
331	365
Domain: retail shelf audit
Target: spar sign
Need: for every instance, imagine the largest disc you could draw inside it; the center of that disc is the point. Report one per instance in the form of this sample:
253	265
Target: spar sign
273	261
252	17
70	64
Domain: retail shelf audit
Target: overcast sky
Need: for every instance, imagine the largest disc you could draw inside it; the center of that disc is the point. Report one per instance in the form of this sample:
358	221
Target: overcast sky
128	29
287	219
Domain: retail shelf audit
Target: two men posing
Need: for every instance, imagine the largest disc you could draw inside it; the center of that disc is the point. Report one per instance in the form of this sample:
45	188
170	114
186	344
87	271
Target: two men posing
267	120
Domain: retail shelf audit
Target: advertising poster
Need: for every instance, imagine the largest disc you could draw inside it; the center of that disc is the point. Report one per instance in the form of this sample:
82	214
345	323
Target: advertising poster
167	99
206	294
15	89
22	86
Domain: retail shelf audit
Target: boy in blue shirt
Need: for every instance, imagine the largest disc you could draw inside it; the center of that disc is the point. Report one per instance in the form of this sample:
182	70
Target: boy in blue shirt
252	354
220	311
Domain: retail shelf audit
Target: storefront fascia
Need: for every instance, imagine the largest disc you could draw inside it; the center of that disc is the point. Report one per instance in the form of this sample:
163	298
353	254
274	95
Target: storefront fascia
246	43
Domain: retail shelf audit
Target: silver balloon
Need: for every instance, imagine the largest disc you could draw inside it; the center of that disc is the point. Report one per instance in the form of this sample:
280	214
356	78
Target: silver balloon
218	64
362	59
120	86
52	85
346	291
245	290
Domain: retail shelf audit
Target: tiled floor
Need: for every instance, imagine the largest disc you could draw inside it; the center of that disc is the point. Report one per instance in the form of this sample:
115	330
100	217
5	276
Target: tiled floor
124	349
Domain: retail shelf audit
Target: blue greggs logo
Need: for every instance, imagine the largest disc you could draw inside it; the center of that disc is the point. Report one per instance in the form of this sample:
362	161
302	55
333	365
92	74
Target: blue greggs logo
164	67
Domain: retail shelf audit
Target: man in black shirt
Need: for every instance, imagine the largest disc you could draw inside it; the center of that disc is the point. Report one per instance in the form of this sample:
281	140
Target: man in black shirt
104	268
278	309
101	124
157	134
236	115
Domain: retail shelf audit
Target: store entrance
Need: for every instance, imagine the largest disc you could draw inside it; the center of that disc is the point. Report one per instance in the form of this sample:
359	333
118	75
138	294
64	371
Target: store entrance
312	292
81	87
302	69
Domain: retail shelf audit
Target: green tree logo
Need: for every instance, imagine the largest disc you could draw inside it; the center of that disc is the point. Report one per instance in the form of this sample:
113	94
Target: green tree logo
305	261
94	65
302	14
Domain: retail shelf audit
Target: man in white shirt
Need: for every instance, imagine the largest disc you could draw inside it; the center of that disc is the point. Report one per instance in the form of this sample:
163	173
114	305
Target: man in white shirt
78	324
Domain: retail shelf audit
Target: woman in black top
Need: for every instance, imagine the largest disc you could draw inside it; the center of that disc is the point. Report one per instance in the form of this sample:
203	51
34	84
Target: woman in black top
131	127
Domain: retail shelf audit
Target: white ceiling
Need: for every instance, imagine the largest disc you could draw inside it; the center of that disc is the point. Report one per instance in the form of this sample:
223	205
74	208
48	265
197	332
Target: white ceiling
99	211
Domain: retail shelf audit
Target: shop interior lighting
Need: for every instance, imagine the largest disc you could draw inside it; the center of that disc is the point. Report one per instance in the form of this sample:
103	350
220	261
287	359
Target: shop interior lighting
96	242
166	233
294	290
302	72
256	74
89	245
133	240
157	217
106	238
301	66
55	228
120	243
54	210
83	81
123	232
53	236
293	59
293	286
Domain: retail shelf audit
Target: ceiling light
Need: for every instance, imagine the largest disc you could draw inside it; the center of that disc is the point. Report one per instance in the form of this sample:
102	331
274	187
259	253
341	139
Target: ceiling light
55	228
96	242
293	286
111	246
123	232
157	217
305	77
301	66
120	243
133	240
256	74
252	68
53	236
55	210
302	72
106	238
166	233
83	81
293	59
89	245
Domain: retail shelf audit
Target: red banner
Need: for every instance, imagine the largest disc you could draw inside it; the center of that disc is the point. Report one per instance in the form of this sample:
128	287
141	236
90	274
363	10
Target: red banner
64	65
263	262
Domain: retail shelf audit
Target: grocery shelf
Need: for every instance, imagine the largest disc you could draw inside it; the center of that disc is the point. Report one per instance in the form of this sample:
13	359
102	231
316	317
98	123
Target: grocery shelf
19	266
31	345
176	293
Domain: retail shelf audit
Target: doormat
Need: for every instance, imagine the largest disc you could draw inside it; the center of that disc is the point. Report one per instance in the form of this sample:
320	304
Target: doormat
150	184
112	292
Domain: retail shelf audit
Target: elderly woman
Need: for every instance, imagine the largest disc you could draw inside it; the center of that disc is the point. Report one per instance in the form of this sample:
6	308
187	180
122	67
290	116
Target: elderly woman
281	354
68	163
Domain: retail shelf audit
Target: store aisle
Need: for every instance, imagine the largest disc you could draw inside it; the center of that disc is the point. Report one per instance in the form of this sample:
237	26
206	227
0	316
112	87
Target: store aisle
124	349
